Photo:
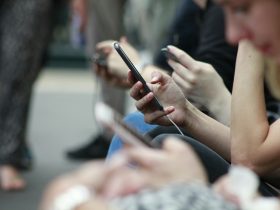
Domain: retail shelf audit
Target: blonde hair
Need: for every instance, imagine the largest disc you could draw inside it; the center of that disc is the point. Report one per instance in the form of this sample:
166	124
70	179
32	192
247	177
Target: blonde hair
272	77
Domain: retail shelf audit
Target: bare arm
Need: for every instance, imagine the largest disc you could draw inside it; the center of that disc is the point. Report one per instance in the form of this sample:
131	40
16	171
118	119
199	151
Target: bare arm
255	143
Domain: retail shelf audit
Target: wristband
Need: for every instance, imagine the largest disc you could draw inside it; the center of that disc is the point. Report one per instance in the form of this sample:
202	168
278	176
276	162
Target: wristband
72	198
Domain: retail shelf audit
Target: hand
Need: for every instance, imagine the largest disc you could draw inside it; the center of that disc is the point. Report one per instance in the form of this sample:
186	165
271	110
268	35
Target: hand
116	70
91	175
201	84
79	7
168	94
176	162
199	81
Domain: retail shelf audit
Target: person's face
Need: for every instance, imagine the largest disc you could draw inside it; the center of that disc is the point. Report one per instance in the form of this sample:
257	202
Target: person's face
256	20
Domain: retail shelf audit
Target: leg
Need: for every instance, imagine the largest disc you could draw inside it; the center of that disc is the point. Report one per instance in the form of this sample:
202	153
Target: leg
29	36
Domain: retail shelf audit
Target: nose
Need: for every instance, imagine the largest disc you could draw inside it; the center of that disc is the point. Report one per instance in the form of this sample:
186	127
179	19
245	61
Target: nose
236	30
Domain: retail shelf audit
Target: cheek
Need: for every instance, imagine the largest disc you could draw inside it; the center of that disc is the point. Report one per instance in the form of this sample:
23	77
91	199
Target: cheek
264	21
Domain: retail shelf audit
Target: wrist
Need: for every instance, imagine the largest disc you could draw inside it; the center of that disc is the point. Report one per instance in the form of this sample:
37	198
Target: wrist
219	106
189	119
72	198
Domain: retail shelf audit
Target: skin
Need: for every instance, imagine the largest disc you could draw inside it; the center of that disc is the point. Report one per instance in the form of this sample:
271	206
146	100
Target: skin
155	168
10	179
249	19
255	143
259	25
181	111
203	85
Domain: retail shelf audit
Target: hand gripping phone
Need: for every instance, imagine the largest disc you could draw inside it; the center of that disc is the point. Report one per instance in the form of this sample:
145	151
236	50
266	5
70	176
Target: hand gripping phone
136	74
110	119
100	59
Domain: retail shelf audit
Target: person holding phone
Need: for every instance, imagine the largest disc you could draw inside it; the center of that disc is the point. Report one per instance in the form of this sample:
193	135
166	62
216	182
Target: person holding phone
98	23
257	23
239	143
209	92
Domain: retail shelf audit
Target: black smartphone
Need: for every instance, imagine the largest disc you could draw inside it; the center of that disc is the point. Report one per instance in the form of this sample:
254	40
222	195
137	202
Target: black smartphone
168	55
109	118
100	59
136	73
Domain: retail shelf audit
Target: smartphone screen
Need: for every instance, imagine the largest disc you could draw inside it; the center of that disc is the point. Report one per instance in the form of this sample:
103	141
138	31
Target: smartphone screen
136	73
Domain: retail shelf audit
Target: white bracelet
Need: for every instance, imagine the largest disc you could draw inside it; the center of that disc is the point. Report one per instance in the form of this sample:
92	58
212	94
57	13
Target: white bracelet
72	198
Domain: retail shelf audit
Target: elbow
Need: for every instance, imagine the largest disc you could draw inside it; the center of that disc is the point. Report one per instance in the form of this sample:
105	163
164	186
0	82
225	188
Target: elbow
242	160
251	163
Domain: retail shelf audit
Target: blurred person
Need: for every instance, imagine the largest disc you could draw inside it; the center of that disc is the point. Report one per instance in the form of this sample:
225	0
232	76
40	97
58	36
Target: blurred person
162	181
139	19
25	31
99	20
177	188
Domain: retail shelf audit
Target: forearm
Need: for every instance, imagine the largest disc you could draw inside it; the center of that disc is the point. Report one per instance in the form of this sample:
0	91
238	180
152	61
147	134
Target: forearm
249	126
208	131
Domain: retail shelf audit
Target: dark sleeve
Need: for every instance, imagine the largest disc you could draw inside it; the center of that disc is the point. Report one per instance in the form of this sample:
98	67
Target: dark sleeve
183	32
213	47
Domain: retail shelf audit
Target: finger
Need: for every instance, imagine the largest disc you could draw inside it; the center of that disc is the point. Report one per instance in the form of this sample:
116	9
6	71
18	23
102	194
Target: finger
183	58
144	101
142	156
105	44
157	116
135	91
131	79
185	86
117	185
123	39
183	72
159	77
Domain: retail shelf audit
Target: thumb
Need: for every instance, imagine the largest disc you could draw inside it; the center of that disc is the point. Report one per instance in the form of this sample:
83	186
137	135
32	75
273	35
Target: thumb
159	77
123	39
